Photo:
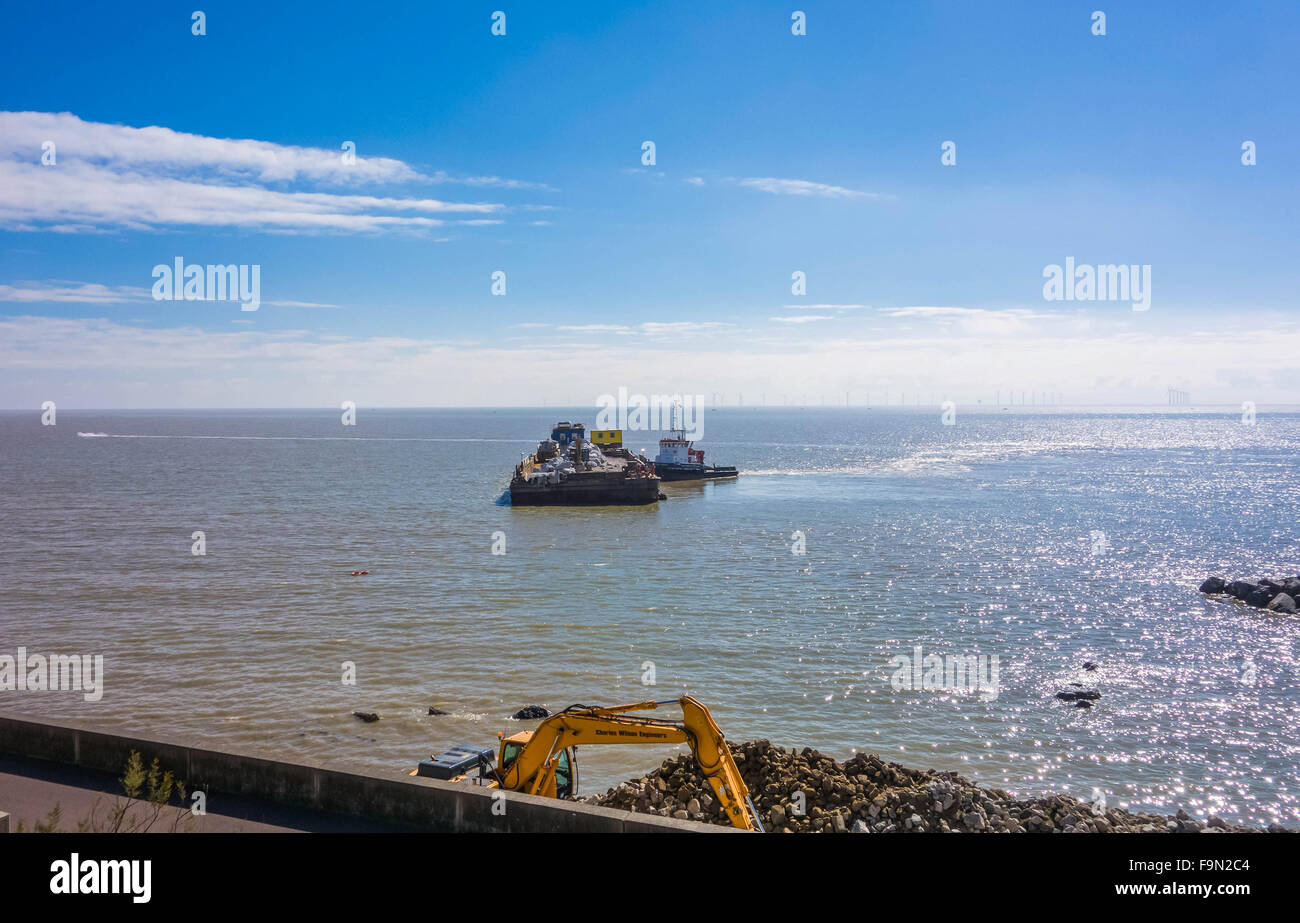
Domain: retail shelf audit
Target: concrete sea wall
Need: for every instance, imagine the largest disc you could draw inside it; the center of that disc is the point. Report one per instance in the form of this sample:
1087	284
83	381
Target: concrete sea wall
423	804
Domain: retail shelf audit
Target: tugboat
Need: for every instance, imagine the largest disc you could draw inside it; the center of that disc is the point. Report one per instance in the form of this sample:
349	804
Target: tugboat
678	460
567	470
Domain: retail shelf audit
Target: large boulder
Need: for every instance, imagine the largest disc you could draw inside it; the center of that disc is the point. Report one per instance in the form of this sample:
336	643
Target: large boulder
1284	603
1213	585
1260	597
1240	589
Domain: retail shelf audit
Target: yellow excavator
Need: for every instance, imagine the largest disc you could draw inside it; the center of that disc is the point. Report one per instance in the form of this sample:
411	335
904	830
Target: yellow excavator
543	762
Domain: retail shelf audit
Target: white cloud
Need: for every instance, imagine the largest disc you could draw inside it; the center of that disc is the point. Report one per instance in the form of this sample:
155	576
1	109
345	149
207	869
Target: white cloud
802	318
99	363
827	307
61	292
22	134
648	328
72	292
674	328
1000	322
494	181
77	197
803	187
115	176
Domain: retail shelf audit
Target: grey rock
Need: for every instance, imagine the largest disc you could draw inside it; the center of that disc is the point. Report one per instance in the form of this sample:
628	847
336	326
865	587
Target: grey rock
1284	603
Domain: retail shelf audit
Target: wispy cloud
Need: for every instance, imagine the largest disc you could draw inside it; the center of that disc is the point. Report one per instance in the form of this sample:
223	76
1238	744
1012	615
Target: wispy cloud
298	304
677	328
648	328
827	307
802	318
122	148
593	328
62	292
115	176
803	187
72	292
497	182
1000	321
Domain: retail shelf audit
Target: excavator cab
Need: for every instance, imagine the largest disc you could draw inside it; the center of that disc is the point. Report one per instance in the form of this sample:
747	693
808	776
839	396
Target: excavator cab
564	765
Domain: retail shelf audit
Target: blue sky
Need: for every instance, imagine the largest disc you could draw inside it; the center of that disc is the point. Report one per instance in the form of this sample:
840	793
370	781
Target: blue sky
522	153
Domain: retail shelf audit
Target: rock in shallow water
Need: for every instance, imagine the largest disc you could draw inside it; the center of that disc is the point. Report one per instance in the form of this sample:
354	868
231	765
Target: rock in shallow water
1260	597
1072	695
1284	603
1240	589
1213	585
531	711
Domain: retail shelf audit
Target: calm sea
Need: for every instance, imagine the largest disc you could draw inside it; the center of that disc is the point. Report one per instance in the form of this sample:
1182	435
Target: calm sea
1044	539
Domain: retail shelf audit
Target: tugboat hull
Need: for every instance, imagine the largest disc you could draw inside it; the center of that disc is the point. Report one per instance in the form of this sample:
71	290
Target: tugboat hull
674	472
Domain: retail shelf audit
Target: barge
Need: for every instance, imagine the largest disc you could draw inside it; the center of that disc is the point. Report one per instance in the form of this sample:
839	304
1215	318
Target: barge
569	470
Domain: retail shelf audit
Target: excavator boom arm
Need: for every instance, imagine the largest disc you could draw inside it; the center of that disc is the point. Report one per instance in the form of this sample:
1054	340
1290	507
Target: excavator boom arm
532	769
